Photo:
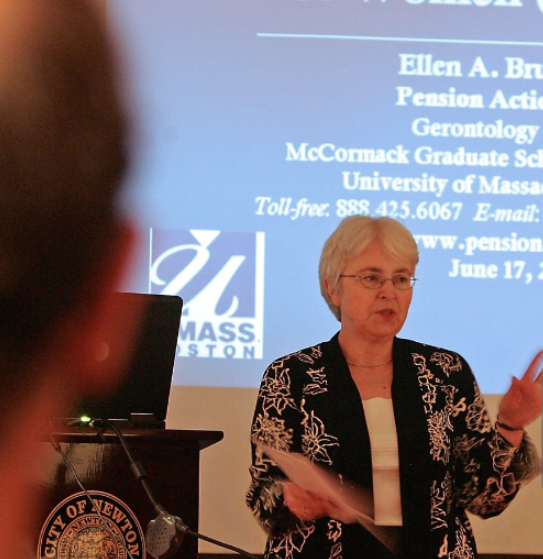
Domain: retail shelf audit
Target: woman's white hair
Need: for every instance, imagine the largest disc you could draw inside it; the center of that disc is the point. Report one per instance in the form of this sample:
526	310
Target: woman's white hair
353	236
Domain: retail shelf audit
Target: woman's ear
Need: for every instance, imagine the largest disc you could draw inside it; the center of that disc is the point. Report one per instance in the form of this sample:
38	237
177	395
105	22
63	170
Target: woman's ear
333	293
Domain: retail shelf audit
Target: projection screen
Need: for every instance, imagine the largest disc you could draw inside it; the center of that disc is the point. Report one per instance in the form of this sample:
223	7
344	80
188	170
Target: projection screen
262	123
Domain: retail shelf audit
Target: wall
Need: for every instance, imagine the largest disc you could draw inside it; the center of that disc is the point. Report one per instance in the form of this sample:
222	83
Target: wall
225	478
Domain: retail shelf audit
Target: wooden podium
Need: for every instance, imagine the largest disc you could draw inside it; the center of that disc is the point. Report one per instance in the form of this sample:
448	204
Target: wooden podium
171	459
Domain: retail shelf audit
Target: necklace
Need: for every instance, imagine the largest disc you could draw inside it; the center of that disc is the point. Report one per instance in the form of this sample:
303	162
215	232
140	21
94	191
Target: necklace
372	365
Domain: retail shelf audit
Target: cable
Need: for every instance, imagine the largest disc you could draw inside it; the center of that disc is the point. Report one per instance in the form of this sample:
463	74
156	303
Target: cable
135	467
216	542
166	530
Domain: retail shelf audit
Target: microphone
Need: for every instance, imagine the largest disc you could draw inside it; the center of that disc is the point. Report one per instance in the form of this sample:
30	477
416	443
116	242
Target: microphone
166	532
164	535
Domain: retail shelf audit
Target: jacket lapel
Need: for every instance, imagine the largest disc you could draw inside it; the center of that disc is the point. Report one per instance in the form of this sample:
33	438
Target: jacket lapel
413	447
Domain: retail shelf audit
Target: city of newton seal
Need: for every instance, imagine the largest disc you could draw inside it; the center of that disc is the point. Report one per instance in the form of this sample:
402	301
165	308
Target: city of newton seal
103	529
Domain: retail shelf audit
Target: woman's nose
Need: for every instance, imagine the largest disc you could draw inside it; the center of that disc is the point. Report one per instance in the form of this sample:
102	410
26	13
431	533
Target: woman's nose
387	289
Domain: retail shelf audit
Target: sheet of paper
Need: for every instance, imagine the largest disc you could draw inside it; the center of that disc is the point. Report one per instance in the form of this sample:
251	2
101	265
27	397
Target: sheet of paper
354	503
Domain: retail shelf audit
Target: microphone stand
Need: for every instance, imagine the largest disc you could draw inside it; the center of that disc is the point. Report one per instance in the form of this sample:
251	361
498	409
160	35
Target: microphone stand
165	533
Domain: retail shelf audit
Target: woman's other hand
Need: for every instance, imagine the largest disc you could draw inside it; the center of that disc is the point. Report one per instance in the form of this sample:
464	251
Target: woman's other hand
522	403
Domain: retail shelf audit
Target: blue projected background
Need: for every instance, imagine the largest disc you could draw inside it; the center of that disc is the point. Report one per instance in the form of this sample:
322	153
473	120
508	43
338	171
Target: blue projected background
262	123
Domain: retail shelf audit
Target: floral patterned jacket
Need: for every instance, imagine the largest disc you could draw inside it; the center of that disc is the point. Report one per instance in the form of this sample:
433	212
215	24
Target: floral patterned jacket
451	457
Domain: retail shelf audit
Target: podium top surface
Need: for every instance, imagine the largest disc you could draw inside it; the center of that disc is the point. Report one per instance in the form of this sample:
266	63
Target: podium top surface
69	434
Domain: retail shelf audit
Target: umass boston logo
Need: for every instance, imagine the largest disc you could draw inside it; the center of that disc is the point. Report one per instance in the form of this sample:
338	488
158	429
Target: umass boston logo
75	530
220	276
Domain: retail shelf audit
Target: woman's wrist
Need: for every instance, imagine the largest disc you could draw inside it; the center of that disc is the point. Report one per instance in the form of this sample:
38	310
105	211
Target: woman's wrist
506	425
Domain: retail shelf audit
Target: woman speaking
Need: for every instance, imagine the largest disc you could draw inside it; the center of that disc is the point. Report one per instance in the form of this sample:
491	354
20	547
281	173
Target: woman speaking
398	417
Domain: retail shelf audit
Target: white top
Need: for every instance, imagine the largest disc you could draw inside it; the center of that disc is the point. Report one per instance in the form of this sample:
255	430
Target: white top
385	461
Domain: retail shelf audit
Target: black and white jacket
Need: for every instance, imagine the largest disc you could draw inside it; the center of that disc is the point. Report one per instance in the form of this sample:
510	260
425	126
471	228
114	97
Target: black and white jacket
451	457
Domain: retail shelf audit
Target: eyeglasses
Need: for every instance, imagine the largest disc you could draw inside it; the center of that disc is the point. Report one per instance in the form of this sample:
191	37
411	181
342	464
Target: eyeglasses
375	281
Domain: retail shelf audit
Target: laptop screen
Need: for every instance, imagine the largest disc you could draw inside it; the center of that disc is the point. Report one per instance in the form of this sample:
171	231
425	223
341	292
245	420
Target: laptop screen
141	400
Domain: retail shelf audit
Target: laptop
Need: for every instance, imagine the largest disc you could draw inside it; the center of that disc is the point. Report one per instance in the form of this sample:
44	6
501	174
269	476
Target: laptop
141	400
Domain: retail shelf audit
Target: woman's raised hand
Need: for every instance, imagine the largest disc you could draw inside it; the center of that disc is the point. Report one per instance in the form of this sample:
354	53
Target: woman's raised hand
522	403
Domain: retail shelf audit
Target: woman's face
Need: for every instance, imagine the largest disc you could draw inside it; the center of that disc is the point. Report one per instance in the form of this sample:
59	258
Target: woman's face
375	314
